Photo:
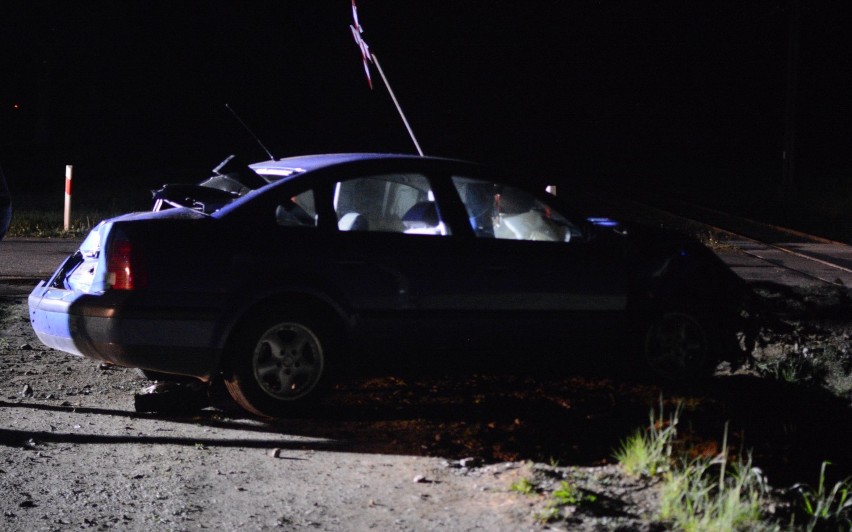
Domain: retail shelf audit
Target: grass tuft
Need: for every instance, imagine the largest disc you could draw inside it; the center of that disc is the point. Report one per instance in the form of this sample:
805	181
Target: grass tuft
698	494
823	367
648	452
826	509
564	499
524	487
715	494
48	224
34	216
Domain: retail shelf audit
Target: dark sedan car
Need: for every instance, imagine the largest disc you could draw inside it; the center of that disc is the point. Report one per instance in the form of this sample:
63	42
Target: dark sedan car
281	285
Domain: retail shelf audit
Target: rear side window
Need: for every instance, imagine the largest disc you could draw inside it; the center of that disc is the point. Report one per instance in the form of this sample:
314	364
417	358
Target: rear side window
394	203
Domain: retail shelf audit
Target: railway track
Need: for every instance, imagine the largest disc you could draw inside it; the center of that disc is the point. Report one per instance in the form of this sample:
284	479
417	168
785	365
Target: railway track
756	250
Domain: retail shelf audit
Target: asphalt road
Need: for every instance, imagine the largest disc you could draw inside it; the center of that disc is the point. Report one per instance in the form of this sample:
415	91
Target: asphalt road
31	258
25	261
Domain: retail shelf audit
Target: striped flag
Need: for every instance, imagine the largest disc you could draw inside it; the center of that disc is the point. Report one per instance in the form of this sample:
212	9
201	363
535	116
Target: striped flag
365	50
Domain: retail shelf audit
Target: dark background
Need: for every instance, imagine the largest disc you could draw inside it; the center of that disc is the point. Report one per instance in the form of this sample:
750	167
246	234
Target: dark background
682	97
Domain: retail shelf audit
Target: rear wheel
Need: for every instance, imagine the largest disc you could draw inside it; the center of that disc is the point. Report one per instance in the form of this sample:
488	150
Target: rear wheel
678	347
279	365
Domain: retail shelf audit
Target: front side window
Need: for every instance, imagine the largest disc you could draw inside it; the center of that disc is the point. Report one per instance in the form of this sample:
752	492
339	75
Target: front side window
395	203
500	211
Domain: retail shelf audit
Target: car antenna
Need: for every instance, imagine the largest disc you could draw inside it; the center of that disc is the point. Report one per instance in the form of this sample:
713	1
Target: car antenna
255	137
367	57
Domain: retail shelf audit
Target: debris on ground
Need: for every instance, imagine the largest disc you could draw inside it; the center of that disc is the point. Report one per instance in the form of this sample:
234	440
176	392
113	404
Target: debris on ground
172	398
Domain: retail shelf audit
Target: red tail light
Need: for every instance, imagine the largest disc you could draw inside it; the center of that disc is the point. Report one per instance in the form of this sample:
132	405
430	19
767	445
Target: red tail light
124	265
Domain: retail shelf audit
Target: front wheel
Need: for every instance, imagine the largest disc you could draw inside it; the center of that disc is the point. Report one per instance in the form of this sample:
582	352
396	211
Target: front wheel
279	365
677	348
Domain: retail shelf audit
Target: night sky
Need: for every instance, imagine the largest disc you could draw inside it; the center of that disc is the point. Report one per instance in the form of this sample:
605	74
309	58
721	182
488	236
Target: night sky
655	93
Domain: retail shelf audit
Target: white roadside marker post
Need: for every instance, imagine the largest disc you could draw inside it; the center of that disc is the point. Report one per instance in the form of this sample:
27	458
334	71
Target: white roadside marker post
69	171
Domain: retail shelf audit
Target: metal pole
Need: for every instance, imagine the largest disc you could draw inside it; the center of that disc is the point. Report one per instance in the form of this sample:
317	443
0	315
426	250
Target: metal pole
396	103
69	172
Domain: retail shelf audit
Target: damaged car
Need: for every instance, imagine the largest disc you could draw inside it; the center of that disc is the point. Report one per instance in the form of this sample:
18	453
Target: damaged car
286	275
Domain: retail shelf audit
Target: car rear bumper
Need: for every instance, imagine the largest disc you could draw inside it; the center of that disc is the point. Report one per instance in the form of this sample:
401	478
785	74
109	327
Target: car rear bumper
104	327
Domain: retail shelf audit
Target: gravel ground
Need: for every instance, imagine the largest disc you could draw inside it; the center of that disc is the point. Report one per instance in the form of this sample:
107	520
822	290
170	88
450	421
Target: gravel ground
75	454
397	453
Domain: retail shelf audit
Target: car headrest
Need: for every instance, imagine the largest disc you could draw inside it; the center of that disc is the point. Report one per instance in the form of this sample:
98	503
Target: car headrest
352	221
423	214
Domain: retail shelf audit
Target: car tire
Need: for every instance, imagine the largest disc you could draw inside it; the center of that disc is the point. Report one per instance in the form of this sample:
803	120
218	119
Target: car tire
279	365
678	347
